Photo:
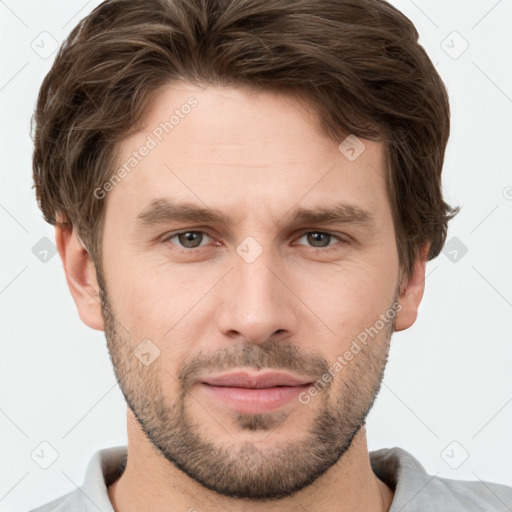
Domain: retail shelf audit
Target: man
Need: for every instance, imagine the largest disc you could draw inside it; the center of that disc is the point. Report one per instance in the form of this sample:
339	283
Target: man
245	195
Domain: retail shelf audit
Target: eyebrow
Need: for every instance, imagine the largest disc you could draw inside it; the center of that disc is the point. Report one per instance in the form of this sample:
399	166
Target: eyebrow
161	211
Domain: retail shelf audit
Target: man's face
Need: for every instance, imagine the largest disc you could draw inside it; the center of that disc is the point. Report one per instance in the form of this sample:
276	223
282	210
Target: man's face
261	292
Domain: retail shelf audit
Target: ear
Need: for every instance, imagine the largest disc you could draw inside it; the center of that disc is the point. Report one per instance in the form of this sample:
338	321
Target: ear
80	275
412	293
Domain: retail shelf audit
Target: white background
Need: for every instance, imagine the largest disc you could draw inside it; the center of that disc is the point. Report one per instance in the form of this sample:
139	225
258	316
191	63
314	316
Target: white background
449	377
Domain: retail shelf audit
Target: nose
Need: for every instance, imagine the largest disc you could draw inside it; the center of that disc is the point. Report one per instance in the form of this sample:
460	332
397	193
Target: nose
256	303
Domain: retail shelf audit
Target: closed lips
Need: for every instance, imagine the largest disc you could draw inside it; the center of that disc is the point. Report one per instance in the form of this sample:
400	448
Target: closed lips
245	380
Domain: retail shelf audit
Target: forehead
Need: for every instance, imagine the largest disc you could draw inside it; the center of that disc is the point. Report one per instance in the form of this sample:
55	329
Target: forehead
237	149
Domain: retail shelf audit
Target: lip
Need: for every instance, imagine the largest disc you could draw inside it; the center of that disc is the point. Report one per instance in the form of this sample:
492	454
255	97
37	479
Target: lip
258	381
255	393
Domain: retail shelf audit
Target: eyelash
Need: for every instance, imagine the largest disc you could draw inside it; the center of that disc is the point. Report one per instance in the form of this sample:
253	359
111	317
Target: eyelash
328	248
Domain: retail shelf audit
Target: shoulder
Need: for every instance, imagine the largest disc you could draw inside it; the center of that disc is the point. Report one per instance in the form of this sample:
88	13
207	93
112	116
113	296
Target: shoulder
416	490
105	466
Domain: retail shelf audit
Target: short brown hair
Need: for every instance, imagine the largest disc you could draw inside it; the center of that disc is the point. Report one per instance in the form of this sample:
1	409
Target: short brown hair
357	62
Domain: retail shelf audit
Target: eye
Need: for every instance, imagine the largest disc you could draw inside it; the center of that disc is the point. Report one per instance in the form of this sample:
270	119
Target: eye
321	239
318	240
187	239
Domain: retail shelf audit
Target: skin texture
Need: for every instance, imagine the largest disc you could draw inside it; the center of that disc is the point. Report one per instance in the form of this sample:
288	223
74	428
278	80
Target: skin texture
297	307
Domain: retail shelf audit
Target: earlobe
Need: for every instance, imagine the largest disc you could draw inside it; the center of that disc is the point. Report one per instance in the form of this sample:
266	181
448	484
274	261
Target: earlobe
80	276
411	295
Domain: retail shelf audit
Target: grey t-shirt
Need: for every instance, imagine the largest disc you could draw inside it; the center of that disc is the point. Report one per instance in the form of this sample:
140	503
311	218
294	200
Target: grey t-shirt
415	490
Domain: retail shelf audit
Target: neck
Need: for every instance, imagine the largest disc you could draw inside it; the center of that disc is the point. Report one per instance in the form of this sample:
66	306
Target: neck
152	483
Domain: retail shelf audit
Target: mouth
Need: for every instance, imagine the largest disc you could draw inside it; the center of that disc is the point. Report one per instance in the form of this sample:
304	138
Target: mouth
255	393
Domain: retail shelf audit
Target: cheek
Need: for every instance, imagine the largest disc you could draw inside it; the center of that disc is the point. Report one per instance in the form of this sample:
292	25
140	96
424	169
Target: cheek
348	299
149	287
163	303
